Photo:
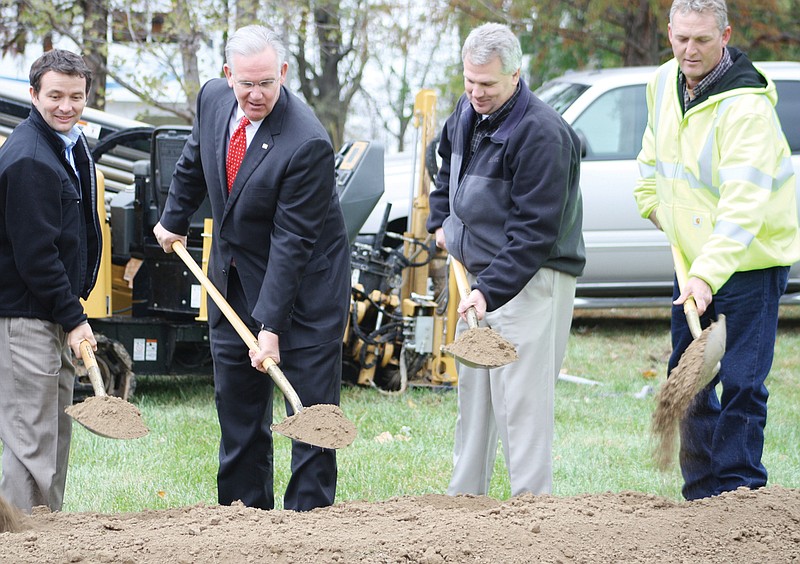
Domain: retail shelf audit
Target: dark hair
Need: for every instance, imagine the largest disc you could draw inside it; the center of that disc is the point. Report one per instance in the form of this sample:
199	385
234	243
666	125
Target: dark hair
61	61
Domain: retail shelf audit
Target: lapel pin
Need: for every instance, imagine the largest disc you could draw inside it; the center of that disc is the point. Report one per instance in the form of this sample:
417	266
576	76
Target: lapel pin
265	146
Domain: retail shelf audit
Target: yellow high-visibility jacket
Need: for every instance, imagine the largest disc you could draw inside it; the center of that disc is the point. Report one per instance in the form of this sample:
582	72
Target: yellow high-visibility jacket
720	177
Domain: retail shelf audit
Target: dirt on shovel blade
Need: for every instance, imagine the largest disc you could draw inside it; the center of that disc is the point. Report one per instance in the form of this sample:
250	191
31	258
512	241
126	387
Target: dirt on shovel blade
675	398
11	519
322	425
109	416
482	346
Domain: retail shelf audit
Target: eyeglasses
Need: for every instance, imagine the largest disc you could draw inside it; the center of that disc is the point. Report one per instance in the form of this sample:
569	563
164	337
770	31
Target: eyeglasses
264	85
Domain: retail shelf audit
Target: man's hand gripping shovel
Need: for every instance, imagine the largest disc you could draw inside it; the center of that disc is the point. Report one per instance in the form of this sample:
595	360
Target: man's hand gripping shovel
706	365
324	426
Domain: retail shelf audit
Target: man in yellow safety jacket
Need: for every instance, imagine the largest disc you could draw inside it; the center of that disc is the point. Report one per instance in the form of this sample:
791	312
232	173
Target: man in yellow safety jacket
716	176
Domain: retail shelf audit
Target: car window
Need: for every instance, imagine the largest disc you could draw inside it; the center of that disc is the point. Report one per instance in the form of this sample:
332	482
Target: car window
560	95
611	127
789	111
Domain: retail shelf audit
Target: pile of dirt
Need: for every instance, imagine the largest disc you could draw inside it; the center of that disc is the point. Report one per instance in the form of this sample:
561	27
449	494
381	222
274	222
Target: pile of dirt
483	346
742	526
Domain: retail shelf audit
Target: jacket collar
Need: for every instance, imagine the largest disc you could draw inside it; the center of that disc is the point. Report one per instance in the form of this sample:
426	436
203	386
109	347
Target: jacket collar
517	112
468	114
48	132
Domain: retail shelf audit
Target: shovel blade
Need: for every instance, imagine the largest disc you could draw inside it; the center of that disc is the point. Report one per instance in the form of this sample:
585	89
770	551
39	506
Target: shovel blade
713	353
481	347
476	362
109	417
322	425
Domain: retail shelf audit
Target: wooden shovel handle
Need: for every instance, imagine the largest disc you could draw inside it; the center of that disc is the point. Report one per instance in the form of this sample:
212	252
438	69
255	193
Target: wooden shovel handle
463	288
689	306
244	332
90	362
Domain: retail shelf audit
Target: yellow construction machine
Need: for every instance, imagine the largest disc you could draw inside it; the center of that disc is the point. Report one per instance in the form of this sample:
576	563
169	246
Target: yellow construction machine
401	316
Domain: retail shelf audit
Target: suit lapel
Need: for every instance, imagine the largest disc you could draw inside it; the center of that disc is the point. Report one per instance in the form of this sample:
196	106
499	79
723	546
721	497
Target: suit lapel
222	121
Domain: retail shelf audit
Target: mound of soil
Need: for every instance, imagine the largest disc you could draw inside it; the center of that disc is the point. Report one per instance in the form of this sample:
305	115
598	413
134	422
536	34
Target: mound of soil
742	526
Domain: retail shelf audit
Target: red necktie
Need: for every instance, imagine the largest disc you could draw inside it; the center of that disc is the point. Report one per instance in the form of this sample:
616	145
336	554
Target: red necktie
236	151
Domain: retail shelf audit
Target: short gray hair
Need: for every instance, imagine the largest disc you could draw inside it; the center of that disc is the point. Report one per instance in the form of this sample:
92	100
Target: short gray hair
251	40
490	40
717	7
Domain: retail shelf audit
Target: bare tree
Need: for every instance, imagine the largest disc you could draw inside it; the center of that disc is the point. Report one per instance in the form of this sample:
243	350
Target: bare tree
171	40
95	32
331	47
411	37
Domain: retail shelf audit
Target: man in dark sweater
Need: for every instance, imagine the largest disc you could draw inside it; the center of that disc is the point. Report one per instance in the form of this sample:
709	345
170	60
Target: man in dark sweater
507	205
49	258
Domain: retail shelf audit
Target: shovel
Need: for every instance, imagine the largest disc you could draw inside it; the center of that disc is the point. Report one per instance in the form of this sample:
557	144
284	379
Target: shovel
479	347
108	416
707	367
697	367
324	426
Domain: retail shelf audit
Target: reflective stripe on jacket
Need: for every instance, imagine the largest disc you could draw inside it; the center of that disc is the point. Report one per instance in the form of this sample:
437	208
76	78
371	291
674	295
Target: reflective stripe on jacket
720	177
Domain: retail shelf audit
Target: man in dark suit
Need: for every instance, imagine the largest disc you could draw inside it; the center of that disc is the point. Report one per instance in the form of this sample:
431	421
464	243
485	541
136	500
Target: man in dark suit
280	256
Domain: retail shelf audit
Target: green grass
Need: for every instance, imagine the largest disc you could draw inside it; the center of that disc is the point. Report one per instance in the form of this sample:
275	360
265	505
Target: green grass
602	440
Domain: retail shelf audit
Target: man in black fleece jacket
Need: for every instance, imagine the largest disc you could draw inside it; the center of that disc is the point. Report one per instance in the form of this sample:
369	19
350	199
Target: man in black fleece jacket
507	205
49	258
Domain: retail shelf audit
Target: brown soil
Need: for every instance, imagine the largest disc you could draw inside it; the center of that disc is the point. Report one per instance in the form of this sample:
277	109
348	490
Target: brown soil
674	399
110	417
323	425
744	526
483	346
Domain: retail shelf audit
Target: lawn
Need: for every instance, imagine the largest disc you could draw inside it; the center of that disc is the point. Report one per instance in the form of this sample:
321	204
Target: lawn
404	446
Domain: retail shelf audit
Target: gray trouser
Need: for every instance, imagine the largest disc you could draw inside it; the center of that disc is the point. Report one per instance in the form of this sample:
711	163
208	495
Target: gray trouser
36	382
515	402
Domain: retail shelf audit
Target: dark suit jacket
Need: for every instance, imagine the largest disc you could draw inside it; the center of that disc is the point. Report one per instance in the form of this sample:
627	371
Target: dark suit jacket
281	224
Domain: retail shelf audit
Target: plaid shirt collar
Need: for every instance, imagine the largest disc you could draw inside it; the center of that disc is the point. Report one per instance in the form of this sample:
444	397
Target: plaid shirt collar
494	120
710	80
487	125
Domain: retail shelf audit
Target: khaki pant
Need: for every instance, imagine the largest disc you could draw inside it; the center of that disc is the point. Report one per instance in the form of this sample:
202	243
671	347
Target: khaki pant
36	383
515	402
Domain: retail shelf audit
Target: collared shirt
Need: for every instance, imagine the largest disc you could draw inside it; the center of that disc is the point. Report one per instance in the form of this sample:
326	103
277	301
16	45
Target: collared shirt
486	125
70	139
710	80
250	130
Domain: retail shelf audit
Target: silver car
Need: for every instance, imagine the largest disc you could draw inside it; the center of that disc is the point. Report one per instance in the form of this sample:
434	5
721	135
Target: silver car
628	260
